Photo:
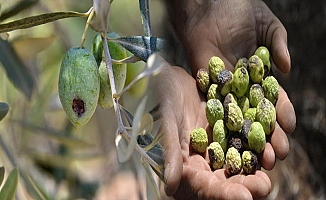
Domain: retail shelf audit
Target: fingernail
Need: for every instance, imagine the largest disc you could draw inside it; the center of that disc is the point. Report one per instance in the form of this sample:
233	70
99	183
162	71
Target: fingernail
166	171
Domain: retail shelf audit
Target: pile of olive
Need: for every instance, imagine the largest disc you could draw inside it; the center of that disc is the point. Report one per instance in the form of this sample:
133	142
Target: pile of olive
239	109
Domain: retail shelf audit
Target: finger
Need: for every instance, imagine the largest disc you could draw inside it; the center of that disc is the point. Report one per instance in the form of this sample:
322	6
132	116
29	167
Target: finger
280	142
258	184
202	184
279	50
267	157
274	37
285	113
172	155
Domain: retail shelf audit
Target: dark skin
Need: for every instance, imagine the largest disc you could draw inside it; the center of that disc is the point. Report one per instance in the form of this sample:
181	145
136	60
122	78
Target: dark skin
229	29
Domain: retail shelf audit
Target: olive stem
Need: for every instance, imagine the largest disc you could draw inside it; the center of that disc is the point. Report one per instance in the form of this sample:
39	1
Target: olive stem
108	62
90	16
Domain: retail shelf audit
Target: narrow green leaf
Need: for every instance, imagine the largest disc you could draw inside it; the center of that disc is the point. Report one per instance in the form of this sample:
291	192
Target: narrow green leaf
36	20
141	46
17	72
9	188
2	174
34	189
145	17
152	190
15	9
4	108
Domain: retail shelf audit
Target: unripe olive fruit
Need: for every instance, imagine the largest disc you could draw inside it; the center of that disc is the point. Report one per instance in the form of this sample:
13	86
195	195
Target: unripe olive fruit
256	69
233	117
242	62
263	53
271	88
224	81
203	80
240	81
220	134
79	85
199	140
214	111
117	52
97	48
215	66
266	115
256	137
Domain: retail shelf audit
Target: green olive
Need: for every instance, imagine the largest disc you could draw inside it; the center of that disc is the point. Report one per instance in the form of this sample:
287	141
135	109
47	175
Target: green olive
263	53
117	52
79	85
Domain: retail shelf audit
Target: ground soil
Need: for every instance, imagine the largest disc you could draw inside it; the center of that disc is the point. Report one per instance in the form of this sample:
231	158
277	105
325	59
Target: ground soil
305	166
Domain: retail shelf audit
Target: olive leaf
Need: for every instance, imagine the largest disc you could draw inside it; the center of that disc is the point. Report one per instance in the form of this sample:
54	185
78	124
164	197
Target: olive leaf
4	108
145	17
15	9
17	72
34	189
141	46
36	20
9	188
153	66
152	191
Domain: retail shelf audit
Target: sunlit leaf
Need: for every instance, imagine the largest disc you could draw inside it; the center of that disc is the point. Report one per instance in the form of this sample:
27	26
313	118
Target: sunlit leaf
34	189
4	108
2	174
15	9
141	46
152	190
9	188
153	66
125	154
15	69
36	20
145	17
27	48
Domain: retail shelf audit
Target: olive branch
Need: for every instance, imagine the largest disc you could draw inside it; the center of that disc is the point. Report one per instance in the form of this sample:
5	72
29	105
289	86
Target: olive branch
134	132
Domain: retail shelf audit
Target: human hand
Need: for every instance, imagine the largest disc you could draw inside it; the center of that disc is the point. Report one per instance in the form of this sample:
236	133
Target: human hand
229	29
187	174
234	29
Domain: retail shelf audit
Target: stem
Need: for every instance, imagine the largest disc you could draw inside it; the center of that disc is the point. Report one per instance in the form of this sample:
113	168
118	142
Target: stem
108	62
90	16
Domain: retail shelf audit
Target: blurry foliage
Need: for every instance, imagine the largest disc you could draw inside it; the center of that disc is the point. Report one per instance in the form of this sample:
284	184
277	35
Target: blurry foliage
55	160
